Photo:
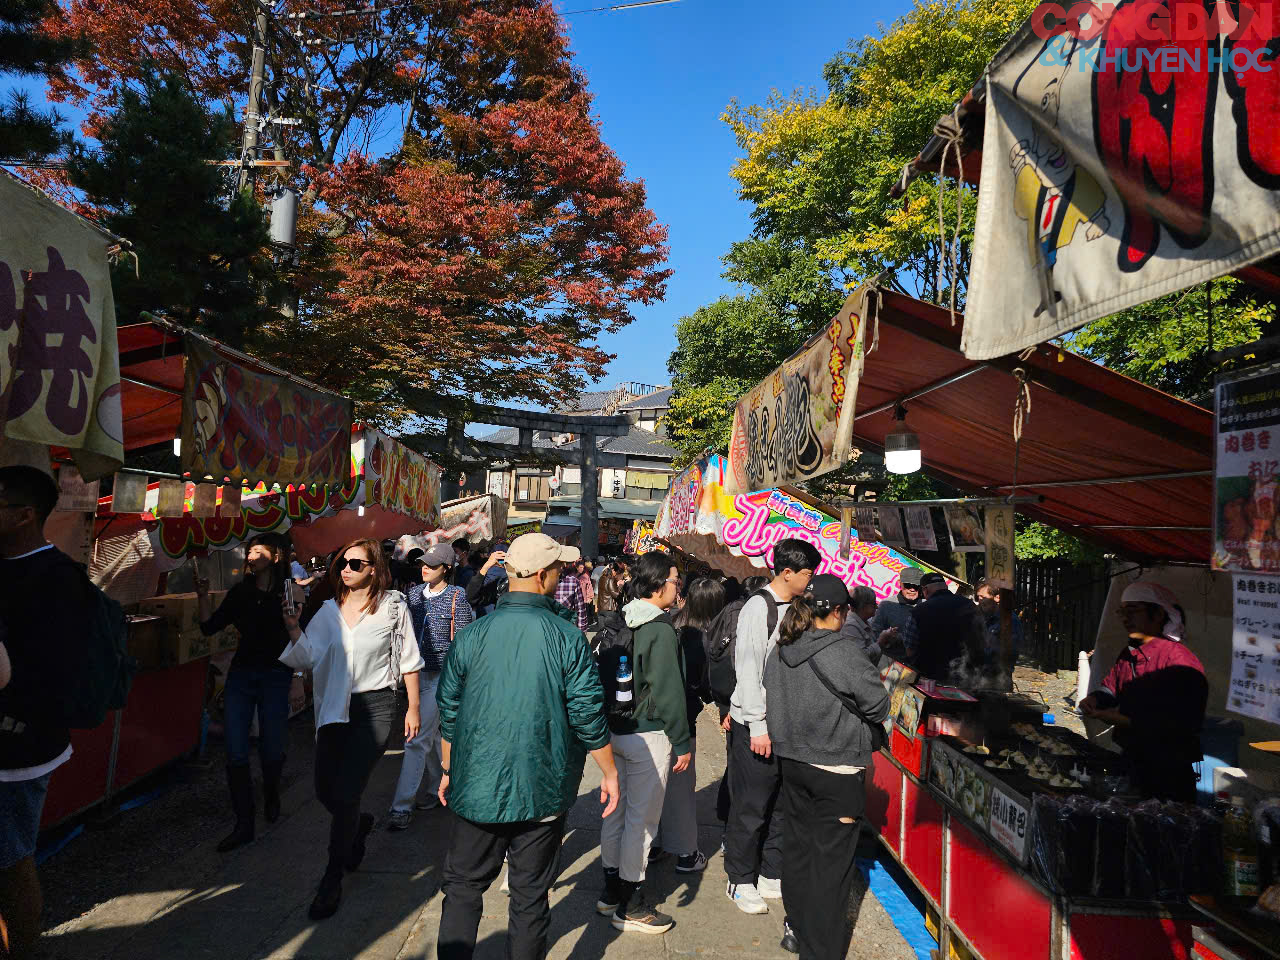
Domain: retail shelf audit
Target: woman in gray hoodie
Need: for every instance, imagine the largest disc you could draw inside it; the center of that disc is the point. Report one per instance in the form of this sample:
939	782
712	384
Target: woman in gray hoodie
826	702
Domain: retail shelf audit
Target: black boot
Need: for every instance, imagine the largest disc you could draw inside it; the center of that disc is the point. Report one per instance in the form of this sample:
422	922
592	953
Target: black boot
271	789
241	783
357	844
329	895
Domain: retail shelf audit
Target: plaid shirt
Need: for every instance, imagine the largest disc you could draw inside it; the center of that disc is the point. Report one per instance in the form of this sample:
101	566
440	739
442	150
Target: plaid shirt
569	596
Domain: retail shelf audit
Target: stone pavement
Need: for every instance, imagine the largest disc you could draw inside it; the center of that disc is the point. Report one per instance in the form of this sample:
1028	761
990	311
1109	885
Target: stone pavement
253	902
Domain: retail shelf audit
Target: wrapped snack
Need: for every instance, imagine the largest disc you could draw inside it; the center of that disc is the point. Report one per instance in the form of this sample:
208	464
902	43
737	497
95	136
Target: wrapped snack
1109	863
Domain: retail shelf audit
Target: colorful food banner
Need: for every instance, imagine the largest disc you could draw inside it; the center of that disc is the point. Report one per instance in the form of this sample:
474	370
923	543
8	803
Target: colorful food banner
399	479
1122	159
59	360
241	424
798	423
480	519
1246	468
703	519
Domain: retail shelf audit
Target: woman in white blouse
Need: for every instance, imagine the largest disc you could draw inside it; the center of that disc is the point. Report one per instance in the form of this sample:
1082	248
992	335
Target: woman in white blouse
358	646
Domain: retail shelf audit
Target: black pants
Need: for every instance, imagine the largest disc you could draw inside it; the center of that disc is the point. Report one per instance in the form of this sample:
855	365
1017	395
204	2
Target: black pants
346	754
753	841
475	857
817	855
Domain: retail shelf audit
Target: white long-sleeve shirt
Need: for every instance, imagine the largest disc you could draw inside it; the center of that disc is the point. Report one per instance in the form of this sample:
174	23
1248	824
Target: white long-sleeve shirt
751	650
347	660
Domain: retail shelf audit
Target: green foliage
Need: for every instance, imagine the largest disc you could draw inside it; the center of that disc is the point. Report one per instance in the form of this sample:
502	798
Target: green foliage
1039	541
914	486
1165	343
203	260
26	132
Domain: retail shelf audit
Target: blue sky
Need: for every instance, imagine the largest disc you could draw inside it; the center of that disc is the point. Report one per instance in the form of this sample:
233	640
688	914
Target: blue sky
661	77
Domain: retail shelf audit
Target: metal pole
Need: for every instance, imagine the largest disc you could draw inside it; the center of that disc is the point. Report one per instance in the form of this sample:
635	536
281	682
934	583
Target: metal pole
252	114
590	542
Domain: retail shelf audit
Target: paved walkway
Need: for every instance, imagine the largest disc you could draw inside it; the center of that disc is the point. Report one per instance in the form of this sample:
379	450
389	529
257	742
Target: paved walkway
253	903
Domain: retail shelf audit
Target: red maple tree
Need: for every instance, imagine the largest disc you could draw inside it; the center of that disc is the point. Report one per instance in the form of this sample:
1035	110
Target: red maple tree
466	233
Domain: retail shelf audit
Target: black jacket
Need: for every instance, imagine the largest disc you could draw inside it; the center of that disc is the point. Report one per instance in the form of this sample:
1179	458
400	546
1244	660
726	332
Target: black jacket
806	722
944	625
46	611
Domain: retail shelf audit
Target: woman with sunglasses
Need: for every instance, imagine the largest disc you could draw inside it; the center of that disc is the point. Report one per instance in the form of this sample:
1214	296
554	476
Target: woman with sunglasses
359	644
257	680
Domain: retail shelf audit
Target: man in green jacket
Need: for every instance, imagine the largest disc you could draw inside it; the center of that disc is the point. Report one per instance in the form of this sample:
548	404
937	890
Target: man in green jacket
644	745
520	707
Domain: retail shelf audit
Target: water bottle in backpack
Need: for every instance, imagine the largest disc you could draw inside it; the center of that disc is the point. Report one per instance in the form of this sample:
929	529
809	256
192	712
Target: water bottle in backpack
623	694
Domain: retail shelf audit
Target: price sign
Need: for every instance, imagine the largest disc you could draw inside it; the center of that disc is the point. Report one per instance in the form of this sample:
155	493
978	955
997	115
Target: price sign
1008	825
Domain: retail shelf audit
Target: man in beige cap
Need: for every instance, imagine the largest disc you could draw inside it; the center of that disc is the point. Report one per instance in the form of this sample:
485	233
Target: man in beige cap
521	701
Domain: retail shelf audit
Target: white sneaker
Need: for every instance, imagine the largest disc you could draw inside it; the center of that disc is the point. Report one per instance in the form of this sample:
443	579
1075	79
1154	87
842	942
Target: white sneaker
506	886
746	897
769	889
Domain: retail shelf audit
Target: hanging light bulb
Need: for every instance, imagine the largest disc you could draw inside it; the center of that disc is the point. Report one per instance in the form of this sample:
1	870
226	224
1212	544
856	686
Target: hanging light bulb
177	445
901	445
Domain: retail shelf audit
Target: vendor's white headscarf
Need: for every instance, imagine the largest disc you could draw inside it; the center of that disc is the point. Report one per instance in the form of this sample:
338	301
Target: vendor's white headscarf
1162	597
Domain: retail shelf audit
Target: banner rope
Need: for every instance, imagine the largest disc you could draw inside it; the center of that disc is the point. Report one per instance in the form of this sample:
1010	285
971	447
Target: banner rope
948	128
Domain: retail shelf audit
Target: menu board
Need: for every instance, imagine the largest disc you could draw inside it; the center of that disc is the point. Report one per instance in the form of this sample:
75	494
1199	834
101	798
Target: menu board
920	534
1246	468
1009	822
1255	648
897	679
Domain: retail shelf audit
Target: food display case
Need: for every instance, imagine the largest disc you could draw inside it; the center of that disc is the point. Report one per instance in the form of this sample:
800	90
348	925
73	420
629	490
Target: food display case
958	812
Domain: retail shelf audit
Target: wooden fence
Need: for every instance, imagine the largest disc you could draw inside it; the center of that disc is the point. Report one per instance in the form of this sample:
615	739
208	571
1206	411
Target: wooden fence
1060	605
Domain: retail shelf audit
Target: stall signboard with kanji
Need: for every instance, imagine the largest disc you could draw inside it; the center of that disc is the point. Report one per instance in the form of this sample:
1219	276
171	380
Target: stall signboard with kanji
920	535
1009	823
240	423
59	361
1246	471
1000	539
1255	648
798	423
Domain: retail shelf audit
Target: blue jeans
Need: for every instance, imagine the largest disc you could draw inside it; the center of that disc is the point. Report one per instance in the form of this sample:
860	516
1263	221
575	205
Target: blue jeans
267	691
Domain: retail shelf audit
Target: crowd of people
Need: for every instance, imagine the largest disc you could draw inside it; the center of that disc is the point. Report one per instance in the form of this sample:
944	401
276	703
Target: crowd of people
486	657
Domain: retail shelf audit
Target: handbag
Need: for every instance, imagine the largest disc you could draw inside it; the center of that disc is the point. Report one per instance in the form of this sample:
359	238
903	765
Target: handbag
877	729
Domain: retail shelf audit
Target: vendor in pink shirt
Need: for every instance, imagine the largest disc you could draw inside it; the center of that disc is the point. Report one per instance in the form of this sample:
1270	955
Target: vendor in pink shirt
1155	695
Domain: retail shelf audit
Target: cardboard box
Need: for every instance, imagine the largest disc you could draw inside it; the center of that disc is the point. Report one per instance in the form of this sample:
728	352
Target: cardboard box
225	641
190	645
180	610
149	641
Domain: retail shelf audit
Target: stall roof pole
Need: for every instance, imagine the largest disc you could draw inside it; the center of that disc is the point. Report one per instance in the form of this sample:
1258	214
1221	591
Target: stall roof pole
927	388
968	501
1103	481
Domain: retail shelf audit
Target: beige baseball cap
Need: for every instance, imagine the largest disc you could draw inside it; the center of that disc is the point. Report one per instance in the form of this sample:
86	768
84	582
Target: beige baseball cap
536	551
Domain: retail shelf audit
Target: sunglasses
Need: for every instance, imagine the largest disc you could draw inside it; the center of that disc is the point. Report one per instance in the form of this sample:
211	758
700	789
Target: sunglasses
355	563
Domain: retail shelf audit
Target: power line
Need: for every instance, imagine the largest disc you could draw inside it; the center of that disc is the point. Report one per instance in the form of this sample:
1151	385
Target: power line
618	6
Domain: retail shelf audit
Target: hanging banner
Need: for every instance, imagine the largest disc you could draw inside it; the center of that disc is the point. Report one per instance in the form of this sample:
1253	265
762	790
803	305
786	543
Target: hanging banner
999	566
798	423
59	360
477	520
864	523
241	424
891	525
701	518
399	479
968	533
920	535
1246	465
1255	649
1128	157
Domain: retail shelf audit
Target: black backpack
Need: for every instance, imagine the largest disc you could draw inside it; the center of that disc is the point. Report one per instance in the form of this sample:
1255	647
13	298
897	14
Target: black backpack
101	682
721	645
613	641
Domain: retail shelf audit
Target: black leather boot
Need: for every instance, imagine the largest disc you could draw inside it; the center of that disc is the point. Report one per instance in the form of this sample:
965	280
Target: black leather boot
240	781
329	896
271	789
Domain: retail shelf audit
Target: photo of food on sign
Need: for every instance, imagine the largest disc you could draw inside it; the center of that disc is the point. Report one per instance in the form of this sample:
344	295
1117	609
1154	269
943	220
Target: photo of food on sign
1246	470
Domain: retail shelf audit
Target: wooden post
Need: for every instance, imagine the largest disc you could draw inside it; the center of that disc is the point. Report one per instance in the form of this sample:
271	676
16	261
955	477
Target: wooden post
590	542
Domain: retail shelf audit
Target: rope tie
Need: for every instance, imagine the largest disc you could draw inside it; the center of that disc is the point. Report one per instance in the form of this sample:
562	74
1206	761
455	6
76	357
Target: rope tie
948	128
1021	412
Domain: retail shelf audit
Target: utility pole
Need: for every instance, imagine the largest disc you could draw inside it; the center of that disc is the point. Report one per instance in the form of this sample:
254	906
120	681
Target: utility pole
253	112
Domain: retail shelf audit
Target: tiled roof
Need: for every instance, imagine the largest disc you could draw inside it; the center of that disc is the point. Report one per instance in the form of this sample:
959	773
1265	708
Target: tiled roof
658	400
592	402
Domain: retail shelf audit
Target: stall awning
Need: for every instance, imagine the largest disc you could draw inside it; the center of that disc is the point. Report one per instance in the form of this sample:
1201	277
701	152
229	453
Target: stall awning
1117	462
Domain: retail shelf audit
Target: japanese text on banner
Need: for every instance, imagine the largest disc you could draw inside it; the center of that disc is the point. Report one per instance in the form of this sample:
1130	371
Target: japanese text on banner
1255	648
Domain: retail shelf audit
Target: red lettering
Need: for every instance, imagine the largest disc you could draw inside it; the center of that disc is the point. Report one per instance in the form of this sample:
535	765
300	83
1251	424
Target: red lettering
1162	170
1255	95
1049	11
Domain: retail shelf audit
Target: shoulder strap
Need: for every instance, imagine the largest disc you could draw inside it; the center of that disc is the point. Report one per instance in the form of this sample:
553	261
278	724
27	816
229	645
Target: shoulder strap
848	702
772	605
453	615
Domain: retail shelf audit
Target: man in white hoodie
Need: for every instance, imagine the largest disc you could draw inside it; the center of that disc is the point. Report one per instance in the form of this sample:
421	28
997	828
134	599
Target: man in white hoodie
753	834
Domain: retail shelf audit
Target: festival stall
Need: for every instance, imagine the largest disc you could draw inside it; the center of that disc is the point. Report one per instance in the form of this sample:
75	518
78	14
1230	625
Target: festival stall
285	456
479	520
1117	162
736	534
